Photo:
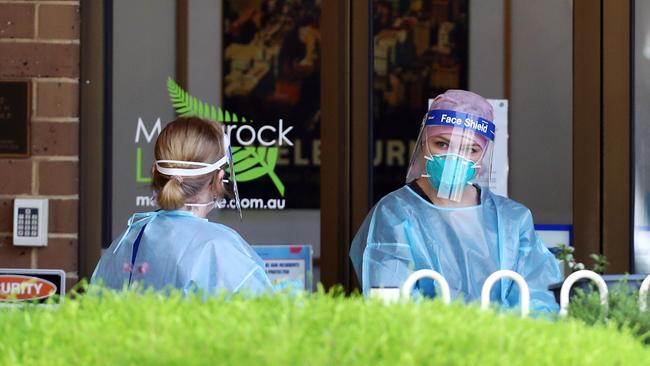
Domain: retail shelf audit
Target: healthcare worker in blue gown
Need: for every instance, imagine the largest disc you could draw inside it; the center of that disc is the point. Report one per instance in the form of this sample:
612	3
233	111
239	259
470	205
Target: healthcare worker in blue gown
176	246
446	219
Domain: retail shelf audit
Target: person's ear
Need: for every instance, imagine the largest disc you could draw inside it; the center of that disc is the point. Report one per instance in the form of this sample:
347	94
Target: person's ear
217	185
217	180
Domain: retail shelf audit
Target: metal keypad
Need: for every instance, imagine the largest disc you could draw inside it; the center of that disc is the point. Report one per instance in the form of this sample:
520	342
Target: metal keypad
27	222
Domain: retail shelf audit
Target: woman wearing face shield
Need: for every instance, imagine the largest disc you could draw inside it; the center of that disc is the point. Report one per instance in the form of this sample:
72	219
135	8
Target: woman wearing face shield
446	219
176	246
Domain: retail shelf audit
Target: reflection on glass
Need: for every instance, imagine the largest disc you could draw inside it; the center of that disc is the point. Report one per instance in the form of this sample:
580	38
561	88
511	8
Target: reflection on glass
271	76
420	50
642	137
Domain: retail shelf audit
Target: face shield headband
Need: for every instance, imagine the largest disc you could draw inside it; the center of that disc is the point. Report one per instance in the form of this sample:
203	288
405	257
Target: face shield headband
205	169
466	121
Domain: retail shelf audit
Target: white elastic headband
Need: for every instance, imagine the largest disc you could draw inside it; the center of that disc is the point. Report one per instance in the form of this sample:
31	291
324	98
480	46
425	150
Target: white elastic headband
185	172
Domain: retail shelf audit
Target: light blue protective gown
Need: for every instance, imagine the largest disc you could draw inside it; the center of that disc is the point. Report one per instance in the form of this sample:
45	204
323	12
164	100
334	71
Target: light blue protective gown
404	233
180	250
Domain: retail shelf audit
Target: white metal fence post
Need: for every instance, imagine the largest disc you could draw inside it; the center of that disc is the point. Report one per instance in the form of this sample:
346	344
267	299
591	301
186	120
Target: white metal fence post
643	294
524	291
407	287
575	276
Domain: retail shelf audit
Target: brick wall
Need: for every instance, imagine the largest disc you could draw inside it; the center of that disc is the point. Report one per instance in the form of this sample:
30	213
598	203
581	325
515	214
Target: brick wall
39	42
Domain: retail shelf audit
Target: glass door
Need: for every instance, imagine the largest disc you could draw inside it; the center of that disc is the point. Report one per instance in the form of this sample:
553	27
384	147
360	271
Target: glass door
640	136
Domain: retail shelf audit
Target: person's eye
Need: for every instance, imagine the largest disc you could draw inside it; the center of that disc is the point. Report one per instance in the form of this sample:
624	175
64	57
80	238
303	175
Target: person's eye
442	145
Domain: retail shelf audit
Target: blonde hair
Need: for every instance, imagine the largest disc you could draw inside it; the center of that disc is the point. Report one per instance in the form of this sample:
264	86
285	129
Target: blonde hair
186	139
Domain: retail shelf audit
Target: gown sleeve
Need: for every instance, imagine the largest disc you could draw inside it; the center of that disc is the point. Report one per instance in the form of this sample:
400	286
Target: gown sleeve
381	253
539	268
222	266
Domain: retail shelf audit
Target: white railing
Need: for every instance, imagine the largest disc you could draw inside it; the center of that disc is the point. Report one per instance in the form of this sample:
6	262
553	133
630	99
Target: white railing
407	287
578	275
643	293
394	294
524	291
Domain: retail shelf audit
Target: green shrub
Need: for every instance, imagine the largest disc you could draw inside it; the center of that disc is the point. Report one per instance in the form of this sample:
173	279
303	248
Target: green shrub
319	329
622	310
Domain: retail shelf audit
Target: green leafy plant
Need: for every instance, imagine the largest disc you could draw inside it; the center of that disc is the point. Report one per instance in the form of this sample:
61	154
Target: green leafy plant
600	263
250	162
307	329
622	311
565	253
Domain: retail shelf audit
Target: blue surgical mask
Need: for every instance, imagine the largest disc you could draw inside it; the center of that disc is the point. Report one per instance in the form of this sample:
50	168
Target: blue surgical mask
449	170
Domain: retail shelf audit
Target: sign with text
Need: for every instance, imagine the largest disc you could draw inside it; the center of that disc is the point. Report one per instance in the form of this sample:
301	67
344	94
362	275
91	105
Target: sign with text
31	285
287	265
268	53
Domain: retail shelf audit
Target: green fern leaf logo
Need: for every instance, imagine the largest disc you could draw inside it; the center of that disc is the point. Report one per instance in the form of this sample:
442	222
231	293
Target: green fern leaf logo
250	162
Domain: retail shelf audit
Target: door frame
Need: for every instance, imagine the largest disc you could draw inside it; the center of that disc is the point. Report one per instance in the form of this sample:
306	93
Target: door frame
345	133
602	196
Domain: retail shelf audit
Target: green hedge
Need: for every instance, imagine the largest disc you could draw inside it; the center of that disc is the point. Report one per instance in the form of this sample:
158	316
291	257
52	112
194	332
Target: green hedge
319	329
622	310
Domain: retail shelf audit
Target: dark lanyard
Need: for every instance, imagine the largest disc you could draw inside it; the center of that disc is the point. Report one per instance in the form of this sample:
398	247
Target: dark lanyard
134	252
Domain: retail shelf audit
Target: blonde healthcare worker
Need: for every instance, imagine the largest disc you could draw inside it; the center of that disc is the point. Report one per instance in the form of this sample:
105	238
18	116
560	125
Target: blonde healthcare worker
177	246
444	218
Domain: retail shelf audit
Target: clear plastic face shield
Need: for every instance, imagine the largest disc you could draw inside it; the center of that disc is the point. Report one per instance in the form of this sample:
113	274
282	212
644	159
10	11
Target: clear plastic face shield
453	150
225	164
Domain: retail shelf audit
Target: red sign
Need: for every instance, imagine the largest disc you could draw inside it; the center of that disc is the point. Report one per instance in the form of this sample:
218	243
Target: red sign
21	288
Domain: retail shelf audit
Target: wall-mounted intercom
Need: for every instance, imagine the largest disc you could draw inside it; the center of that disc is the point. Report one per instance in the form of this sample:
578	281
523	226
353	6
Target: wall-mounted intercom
30	222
